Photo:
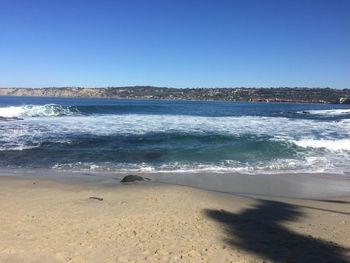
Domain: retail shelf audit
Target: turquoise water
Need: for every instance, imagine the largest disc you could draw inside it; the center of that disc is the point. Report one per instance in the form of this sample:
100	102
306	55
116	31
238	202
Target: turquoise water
173	136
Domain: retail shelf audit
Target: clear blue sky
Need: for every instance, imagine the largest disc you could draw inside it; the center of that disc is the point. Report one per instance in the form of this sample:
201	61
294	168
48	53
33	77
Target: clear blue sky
177	43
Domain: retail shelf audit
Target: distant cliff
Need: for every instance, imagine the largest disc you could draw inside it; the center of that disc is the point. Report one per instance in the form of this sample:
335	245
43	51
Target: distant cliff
301	95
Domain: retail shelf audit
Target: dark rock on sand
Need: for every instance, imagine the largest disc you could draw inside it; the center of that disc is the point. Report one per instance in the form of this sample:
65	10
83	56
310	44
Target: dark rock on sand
96	198
133	178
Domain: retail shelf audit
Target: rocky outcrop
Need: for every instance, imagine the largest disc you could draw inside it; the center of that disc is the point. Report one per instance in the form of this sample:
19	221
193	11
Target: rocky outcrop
344	100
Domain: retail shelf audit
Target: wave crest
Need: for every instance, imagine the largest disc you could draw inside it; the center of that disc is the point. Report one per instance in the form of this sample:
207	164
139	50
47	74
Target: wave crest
332	112
47	110
331	145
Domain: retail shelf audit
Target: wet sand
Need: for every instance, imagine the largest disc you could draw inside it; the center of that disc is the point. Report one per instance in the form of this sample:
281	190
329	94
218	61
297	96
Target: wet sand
56	221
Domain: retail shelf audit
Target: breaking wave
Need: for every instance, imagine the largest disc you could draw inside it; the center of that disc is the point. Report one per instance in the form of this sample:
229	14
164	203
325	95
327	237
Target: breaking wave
331	112
48	110
331	145
175	137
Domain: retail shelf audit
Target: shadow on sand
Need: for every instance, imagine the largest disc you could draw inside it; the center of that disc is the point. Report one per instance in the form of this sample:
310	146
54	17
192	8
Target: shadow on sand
259	230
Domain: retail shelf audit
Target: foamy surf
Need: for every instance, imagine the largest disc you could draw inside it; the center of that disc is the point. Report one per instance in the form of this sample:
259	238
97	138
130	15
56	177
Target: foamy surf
332	145
48	110
171	137
332	112
282	166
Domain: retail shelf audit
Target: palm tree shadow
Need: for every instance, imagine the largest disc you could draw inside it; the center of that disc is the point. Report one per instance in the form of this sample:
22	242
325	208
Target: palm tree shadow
259	230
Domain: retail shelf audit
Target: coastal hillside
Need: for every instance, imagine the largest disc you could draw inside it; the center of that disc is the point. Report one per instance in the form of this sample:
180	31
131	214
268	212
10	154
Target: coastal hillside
298	95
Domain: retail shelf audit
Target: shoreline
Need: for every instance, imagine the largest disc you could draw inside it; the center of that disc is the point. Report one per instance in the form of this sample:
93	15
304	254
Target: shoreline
233	94
56	221
177	100
300	186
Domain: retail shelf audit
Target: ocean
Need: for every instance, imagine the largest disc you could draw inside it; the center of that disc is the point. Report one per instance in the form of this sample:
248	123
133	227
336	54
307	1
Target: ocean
174	136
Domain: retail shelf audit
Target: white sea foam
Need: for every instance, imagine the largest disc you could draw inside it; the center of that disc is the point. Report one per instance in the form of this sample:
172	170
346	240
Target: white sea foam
7	147
141	124
329	141
332	145
308	165
332	112
48	110
299	131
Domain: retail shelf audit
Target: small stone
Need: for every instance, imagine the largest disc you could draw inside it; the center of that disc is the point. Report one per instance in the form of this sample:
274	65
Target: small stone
96	198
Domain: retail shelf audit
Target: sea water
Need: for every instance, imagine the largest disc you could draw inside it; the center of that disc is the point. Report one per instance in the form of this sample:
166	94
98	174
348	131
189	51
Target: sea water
174	136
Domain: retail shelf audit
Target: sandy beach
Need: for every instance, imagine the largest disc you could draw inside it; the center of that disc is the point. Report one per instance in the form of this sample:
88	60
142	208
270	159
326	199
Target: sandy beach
49	221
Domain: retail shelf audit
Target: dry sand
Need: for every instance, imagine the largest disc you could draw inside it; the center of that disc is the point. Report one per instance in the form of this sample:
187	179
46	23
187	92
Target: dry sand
47	221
